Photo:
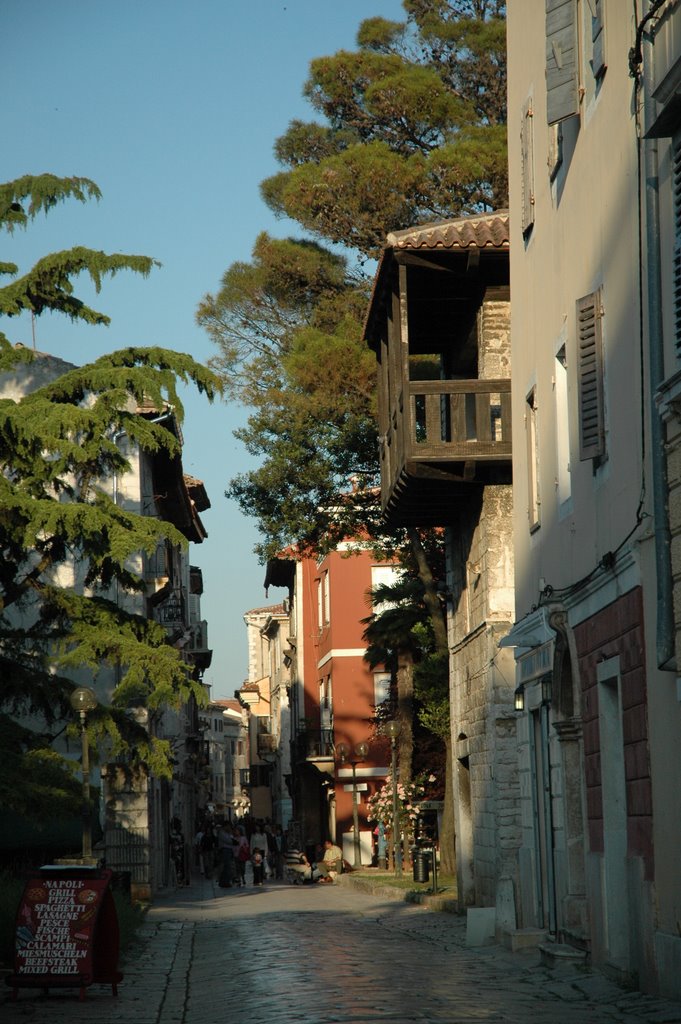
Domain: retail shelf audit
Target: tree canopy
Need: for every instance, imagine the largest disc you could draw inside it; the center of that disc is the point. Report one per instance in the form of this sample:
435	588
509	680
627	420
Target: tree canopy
65	541
413	129
288	328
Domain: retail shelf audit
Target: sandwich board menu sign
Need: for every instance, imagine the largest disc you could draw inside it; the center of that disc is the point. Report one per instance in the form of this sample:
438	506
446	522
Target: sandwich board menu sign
66	930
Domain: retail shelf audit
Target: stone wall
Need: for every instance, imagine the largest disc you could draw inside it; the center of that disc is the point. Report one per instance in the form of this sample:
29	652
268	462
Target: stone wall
482	688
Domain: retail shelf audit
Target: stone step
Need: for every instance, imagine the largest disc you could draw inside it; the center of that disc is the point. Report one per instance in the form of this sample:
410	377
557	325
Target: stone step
553	953
516	939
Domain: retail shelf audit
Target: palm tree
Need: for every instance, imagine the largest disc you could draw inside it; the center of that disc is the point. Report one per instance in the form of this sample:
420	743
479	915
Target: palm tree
408	635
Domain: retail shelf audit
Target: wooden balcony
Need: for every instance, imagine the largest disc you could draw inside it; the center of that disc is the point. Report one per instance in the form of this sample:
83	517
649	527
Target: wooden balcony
442	438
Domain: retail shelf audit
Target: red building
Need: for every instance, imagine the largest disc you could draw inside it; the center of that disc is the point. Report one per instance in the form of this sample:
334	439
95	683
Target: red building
334	694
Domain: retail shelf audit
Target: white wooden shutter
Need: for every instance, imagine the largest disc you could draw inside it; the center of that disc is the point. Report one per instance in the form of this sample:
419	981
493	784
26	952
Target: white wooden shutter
562	77
590	377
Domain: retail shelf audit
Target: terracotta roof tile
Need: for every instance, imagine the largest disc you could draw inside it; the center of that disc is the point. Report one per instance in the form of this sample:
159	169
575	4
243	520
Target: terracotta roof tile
485	231
270	609
489	230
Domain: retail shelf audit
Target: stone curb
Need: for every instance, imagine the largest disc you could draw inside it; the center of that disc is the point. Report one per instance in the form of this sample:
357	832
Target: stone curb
366	884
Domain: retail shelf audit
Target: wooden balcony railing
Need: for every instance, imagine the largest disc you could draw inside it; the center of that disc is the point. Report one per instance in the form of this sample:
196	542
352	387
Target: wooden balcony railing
447	421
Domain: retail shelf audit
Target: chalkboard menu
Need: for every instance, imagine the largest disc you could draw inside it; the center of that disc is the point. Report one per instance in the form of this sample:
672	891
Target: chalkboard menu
66	930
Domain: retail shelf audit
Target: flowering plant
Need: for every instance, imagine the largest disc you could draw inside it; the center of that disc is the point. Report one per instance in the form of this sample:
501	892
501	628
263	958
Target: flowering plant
380	805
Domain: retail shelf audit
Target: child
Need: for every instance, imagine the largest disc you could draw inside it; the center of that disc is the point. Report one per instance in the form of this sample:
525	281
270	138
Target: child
258	862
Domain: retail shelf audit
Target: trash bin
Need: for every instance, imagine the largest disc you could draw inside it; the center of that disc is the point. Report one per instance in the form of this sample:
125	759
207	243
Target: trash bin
421	866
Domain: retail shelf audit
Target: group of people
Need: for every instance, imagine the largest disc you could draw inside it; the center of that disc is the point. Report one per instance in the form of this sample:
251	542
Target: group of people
323	870
231	847
226	850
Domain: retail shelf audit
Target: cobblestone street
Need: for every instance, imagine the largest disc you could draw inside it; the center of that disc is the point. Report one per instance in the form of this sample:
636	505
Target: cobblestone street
329	955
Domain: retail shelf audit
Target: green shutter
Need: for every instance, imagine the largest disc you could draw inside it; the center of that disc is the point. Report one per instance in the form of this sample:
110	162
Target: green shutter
562	78
590	377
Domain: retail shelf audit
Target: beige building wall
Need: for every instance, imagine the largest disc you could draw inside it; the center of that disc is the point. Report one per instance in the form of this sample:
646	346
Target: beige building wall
589	530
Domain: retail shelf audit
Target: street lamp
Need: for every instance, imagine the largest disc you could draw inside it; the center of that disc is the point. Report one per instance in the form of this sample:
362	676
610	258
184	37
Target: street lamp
83	700
392	729
346	756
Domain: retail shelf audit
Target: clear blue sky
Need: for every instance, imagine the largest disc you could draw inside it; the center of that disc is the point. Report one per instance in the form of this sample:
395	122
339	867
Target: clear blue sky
172	107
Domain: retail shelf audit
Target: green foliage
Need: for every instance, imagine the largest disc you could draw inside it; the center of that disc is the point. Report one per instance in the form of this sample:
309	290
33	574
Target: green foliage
34	779
404	624
288	327
353	198
431	689
261	305
396	626
68	547
418	111
43	192
48	285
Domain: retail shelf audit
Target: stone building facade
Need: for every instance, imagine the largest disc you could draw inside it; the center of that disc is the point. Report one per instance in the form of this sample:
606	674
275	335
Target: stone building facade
480	581
440	325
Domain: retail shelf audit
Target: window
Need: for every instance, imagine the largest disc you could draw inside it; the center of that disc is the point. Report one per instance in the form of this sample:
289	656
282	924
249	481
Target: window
323	600
532	442
527	168
381	687
590	377
560	389
383	576
594	11
325	703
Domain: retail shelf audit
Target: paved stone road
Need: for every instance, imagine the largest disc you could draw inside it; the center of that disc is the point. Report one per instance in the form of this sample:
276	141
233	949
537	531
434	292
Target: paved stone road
329	955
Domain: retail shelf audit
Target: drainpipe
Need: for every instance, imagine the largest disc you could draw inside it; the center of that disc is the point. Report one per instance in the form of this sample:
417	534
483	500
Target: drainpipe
665	607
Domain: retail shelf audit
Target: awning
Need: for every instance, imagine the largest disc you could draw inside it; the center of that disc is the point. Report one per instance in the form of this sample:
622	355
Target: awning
532	631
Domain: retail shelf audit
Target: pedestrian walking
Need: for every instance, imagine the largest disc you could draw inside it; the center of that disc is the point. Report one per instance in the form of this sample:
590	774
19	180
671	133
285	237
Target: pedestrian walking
242	855
178	862
209	847
279	840
258	845
271	859
226	853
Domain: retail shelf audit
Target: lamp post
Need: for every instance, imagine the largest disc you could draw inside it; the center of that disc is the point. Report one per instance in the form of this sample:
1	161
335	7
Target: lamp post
83	700
346	756
393	731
